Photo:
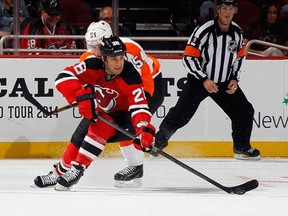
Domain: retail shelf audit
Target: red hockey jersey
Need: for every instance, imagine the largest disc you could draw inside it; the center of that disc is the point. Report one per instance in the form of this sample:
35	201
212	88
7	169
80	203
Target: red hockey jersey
113	93
36	27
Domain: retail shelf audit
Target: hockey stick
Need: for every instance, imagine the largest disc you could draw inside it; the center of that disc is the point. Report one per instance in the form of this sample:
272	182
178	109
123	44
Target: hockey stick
240	189
33	101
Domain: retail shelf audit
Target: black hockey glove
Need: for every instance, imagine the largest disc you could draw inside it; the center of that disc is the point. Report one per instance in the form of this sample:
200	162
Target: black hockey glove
161	142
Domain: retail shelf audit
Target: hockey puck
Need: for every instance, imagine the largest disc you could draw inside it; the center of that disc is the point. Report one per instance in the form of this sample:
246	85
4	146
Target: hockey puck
240	191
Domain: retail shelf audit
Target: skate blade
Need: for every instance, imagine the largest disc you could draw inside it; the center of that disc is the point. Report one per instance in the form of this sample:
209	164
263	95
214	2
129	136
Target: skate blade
59	187
152	157
35	186
128	184
245	157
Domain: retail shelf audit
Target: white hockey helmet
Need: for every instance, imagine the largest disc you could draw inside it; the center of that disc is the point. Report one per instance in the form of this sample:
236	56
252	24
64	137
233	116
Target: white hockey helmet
96	31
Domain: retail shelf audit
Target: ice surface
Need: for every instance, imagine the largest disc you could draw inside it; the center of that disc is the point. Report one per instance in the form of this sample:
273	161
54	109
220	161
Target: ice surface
167	189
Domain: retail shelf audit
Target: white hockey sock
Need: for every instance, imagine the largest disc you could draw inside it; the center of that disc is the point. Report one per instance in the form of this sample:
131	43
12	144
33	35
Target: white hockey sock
133	156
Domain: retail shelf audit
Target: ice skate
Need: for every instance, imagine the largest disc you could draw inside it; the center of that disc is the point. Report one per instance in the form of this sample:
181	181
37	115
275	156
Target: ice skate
129	177
247	154
71	177
48	180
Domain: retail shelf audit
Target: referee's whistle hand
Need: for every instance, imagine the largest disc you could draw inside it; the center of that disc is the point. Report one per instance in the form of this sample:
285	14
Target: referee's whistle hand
232	87
210	86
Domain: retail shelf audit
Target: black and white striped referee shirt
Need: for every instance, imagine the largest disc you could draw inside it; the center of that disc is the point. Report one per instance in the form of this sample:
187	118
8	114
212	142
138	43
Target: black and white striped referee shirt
213	53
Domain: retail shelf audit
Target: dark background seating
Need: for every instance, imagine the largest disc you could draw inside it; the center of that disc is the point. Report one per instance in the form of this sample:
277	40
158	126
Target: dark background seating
151	17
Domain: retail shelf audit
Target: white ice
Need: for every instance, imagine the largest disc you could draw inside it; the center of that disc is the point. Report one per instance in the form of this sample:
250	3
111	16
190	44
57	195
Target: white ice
168	189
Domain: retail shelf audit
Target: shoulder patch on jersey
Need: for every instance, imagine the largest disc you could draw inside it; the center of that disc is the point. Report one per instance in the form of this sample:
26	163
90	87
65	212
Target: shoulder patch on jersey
194	40
94	63
130	75
62	76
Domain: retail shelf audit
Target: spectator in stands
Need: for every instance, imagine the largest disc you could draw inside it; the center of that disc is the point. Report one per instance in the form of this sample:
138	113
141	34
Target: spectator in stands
207	11
105	14
285	52
284	33
284	7
7	16
34	8
49	23
266	29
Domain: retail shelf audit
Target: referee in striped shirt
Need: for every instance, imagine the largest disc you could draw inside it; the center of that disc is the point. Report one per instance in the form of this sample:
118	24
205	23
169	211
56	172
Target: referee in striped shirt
213	58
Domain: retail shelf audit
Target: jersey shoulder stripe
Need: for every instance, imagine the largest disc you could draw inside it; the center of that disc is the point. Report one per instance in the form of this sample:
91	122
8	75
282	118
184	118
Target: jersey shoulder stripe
94	63
130	75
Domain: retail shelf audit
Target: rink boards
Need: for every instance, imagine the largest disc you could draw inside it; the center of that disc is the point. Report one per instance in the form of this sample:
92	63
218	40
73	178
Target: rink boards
27	133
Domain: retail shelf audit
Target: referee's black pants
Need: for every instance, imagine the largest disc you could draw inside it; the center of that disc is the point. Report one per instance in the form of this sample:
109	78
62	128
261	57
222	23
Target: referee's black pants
236	106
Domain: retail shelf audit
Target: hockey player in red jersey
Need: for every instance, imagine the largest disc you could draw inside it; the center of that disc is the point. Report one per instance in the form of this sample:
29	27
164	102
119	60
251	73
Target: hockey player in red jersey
149	69
119	97
152	83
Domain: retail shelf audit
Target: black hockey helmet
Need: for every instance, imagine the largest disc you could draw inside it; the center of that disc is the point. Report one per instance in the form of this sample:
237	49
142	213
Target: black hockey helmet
112	46
226	2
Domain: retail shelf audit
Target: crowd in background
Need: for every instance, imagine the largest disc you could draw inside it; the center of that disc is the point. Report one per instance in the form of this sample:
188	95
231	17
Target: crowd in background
270	25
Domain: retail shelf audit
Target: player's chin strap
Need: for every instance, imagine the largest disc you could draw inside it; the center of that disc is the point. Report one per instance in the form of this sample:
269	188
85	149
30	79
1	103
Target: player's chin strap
240	189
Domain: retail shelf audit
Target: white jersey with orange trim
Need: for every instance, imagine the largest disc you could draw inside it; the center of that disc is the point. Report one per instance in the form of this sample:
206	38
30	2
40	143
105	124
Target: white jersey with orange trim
155	67
148	66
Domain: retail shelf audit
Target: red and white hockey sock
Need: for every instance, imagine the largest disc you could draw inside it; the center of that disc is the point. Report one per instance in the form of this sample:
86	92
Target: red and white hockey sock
83	160
68	156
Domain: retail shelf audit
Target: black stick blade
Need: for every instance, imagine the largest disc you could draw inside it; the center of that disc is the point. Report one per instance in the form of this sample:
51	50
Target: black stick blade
242	189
